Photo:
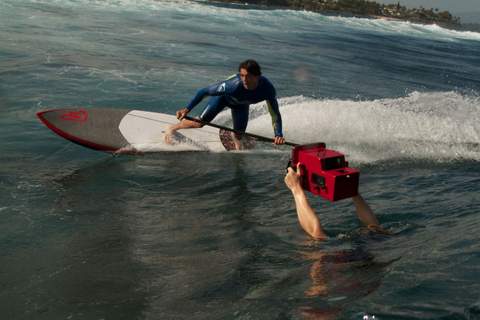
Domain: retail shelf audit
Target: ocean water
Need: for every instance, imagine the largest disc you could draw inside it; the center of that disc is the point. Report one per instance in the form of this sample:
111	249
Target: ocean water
199	235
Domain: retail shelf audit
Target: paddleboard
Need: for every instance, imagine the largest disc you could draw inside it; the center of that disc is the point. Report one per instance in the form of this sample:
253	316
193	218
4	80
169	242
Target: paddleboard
109	129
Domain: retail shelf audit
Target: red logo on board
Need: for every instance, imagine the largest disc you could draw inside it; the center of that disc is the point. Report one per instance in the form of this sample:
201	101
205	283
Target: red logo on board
77	116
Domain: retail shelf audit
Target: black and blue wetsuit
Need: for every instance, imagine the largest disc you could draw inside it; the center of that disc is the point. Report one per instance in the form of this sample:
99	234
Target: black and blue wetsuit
231	93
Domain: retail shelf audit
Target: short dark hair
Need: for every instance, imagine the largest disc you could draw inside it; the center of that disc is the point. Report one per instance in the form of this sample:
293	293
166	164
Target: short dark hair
251	66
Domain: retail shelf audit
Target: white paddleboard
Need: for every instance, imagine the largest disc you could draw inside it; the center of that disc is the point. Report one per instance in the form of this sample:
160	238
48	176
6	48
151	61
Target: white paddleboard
111	129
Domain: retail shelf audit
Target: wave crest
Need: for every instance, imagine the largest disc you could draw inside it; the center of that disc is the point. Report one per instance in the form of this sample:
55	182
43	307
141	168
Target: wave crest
436	125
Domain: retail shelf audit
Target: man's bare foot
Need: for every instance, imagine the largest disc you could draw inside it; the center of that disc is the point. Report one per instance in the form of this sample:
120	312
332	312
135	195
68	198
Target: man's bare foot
129	149
169	134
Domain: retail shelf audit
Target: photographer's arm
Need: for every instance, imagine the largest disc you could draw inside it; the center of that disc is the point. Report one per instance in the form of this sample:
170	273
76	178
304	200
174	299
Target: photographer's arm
364	212
366	216
306	216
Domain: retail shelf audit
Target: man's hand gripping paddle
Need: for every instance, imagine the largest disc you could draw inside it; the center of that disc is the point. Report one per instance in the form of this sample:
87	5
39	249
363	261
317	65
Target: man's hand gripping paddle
225	135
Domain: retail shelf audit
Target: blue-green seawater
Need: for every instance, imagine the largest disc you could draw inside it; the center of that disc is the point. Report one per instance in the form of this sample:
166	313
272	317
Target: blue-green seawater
198	235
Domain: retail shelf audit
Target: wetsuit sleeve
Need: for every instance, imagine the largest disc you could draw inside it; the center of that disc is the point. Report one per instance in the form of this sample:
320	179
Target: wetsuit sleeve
216	89
274	111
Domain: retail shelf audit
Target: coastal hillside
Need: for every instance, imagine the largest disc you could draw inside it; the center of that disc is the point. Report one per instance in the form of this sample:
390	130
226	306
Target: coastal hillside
363	8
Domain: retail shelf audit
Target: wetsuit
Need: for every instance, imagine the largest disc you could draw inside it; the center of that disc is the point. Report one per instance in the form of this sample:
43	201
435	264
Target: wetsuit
231	93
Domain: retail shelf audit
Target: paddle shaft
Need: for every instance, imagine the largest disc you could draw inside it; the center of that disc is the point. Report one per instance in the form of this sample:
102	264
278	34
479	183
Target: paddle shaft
256	136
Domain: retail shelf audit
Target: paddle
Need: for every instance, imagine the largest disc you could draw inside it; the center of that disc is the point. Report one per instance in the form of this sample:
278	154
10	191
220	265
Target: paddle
256	136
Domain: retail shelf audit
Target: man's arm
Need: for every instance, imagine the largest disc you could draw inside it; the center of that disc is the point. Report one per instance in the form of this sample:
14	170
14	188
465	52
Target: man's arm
216	89
306	215
274	111
197	98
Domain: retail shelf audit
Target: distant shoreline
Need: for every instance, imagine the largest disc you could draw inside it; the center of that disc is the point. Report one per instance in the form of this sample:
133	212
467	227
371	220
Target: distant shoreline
360	9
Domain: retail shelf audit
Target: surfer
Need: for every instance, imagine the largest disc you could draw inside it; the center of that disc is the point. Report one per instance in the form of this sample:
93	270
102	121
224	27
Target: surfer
309	220
237	92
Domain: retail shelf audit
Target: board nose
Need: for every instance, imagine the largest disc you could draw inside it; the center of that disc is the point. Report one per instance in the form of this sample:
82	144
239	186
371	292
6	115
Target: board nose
41	116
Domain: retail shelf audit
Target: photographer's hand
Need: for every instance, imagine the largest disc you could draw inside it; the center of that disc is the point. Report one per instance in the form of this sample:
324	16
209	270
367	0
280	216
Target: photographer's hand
306	216
292	179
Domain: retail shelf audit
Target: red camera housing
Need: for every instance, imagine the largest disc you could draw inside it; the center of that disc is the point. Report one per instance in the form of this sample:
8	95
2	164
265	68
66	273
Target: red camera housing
325	172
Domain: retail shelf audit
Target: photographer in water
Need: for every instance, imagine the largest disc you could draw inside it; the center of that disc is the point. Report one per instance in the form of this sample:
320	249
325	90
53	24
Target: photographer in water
334	272
309	220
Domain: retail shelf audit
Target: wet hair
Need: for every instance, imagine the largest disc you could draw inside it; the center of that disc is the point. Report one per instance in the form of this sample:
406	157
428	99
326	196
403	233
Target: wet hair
251	66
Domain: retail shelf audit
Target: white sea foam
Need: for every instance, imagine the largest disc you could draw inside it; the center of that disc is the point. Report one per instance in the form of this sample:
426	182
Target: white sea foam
269	18
405	28
437	125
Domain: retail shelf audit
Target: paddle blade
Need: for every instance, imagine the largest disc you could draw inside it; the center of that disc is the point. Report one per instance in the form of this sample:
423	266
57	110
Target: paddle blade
226	138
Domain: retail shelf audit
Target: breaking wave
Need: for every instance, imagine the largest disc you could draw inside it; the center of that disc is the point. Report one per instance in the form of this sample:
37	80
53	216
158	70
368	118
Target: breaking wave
435	125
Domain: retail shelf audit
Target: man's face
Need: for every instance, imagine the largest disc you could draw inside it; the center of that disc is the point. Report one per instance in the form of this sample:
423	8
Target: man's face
249	80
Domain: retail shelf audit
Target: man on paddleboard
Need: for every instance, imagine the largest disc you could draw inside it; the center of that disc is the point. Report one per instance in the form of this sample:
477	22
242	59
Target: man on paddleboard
237	92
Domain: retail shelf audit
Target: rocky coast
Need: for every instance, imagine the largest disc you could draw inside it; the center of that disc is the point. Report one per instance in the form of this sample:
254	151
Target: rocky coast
361	8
